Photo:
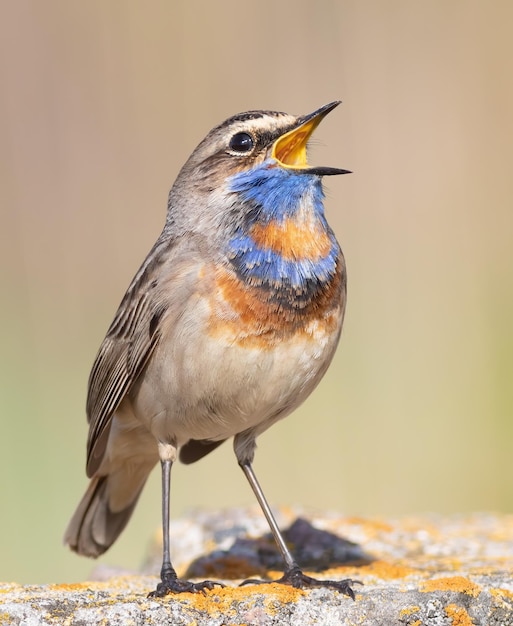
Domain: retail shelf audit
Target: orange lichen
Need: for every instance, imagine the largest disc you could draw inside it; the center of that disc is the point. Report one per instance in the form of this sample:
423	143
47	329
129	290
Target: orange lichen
459	584
499	592
409	610
458	615
224	601
69	586
406	614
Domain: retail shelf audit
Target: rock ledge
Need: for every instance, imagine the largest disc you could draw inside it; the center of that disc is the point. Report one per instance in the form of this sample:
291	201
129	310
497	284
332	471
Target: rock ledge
430	570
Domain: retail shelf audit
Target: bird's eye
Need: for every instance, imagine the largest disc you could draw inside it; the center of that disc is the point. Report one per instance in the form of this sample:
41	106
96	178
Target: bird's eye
241	142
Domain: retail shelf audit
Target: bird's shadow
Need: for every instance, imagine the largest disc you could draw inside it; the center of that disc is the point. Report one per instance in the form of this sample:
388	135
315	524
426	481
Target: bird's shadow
312	548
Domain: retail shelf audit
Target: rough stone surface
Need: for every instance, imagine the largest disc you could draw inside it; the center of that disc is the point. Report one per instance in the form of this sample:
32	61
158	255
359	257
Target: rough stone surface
431	570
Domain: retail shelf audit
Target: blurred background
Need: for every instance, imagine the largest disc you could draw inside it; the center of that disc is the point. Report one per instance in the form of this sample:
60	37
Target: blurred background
101	102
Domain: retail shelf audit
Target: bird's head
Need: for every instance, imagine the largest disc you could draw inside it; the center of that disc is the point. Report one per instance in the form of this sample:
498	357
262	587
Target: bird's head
258	150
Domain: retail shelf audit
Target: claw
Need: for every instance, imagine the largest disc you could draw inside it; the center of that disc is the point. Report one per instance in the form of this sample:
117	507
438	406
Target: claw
176	585
297	579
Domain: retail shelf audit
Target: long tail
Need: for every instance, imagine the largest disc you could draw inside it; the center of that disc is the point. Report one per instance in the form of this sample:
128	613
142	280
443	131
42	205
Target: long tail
104	511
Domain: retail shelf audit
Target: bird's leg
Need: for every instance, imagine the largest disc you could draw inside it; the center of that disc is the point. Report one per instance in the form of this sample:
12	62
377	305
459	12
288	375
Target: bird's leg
169	581
293	575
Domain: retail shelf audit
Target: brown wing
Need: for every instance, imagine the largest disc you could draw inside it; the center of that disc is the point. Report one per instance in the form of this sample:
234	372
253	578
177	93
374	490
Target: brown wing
130	340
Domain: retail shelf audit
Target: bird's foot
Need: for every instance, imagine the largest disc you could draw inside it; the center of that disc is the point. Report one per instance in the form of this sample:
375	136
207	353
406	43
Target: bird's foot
172	584
295	578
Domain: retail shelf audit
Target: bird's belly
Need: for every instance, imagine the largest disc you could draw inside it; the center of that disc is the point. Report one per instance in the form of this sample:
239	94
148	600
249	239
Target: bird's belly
255	386
208	382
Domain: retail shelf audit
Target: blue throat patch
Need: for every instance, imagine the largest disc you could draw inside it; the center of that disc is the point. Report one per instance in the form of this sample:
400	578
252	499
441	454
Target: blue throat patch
275	195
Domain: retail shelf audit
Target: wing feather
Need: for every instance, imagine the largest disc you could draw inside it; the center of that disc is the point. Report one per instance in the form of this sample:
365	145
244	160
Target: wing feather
130	340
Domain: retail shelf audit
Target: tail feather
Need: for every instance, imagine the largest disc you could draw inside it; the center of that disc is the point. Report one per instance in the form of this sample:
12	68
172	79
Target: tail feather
95	526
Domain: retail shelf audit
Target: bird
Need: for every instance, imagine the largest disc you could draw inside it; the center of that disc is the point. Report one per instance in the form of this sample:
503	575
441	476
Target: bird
228	326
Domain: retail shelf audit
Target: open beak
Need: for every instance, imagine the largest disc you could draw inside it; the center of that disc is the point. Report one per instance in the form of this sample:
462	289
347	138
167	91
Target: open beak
289	150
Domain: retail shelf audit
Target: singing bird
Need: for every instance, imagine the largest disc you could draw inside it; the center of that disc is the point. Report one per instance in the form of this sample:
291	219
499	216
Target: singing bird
229	324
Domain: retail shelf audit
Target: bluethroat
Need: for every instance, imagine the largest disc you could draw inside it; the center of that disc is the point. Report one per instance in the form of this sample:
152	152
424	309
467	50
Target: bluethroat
229	324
